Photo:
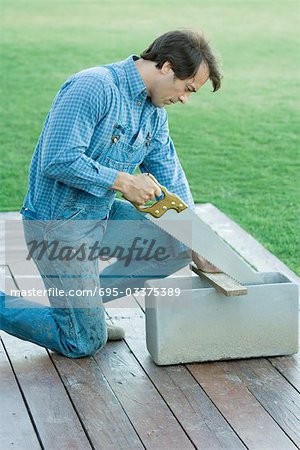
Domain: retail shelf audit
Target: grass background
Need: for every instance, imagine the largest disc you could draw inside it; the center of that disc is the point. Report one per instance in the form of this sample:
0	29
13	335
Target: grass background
239	147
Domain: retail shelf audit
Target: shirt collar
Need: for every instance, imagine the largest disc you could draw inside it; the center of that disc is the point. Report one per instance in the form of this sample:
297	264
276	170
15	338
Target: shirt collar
134	79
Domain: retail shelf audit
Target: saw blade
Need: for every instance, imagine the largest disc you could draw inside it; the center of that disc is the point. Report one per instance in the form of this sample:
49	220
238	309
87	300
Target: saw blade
197	235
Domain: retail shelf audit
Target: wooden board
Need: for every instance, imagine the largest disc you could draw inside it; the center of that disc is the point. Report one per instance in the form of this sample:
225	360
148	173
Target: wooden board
221	282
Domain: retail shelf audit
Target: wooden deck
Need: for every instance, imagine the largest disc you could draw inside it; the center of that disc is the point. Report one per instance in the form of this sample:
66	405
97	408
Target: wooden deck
119	399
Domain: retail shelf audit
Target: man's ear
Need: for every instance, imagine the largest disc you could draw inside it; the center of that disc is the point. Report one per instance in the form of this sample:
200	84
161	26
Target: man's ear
166	68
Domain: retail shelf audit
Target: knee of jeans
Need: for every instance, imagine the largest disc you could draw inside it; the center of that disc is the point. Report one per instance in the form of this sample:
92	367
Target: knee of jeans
87	344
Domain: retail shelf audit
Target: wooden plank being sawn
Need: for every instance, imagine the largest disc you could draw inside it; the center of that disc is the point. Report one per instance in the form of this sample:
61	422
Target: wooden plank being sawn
221	282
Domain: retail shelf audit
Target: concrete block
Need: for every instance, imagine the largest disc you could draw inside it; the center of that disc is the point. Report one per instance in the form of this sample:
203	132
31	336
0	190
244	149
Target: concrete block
201	324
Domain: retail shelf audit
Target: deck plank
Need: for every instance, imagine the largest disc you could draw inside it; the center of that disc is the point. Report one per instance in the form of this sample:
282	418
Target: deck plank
251	421
289	367
201	420
154	422
103	417
52	411
281	392
274	393
16	429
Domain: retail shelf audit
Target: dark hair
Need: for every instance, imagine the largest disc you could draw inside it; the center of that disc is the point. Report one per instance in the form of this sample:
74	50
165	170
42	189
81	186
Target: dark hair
185	50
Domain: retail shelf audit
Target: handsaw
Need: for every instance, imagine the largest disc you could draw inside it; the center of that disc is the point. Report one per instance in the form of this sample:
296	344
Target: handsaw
174	216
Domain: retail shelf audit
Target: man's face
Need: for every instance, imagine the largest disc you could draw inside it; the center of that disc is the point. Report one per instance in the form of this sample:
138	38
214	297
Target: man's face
167	89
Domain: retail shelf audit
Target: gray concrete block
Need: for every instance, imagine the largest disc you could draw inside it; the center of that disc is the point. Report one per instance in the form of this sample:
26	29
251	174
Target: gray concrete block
201	324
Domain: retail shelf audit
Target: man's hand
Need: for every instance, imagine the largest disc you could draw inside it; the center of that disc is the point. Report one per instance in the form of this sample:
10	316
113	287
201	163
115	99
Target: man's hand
137	188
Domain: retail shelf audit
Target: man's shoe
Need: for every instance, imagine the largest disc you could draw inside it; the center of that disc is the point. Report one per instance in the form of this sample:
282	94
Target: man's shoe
114	332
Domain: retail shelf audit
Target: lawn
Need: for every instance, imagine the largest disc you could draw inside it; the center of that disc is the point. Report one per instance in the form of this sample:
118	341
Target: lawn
239	146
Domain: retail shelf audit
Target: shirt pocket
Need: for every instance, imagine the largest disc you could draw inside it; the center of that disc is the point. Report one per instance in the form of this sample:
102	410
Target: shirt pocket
127	146
122	166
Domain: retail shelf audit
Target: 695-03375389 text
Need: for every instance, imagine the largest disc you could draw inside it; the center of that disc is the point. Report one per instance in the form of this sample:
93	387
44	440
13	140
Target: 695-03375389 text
112	292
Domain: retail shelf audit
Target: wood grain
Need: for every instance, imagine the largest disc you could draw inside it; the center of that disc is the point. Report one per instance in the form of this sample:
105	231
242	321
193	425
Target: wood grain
257	429
197	414
48	402
156	425
96	403
221	282
278	397
16	429
289	367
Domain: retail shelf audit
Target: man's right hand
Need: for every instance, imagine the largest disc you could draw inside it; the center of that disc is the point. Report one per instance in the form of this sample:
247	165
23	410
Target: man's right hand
137	188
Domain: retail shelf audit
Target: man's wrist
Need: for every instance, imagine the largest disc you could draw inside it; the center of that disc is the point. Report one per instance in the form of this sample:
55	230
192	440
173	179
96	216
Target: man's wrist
121	181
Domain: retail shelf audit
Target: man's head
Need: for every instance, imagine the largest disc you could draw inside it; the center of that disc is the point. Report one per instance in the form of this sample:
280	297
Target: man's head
177	64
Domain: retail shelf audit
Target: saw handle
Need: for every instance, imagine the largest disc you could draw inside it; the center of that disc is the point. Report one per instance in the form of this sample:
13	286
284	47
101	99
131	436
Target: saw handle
158	208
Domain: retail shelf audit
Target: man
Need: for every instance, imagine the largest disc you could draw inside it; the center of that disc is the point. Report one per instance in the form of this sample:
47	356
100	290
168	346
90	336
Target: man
104	123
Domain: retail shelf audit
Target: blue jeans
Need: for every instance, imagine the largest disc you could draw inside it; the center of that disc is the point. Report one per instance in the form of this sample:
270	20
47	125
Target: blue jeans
74	325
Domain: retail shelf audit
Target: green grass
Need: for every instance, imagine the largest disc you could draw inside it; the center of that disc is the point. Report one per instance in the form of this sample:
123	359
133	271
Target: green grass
239	147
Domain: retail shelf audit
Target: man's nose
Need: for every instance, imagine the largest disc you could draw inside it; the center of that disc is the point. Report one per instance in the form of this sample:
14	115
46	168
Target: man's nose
183	98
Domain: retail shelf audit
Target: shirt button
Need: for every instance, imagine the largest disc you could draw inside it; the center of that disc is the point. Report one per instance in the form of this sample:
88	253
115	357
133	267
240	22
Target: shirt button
139	103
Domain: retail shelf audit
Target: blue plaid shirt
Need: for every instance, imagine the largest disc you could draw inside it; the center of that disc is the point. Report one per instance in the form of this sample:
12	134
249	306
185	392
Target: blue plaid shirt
100	122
